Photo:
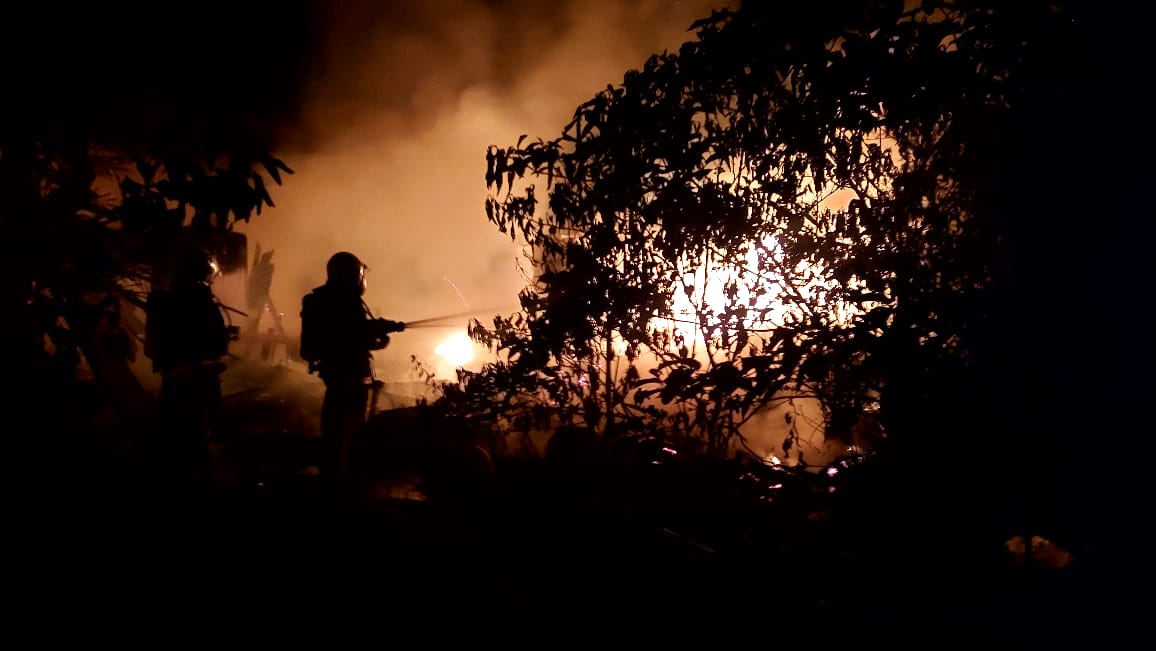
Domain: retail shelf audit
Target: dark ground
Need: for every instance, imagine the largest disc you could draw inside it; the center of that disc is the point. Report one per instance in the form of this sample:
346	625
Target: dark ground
106	554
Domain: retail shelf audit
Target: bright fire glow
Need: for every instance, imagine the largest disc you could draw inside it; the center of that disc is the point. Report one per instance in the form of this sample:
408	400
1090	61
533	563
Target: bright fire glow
707	293
761	289
457	349
758	288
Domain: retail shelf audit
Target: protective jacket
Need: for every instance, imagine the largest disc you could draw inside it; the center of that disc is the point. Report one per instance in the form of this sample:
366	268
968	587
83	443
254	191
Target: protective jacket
338	333
185	329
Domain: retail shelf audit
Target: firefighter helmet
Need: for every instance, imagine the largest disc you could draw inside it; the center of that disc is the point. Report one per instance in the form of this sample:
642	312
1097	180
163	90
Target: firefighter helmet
195	266
345	270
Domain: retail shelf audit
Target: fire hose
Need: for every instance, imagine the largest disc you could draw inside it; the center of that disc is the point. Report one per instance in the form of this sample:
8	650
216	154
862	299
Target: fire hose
376	385
435	321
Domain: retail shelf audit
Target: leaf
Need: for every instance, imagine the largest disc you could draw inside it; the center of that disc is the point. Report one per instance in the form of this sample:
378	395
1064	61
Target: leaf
271	166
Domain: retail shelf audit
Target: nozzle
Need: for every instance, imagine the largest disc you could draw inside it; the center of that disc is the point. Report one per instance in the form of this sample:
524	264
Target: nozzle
392	326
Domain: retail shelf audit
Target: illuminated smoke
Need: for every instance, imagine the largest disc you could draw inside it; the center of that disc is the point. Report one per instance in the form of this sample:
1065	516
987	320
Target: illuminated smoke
390	146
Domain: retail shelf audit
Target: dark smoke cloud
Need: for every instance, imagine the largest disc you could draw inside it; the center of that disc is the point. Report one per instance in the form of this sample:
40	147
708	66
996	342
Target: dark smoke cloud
136	72
413	59
401	100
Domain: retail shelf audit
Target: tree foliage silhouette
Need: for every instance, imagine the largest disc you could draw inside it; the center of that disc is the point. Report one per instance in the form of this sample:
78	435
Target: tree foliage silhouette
105	166
825	198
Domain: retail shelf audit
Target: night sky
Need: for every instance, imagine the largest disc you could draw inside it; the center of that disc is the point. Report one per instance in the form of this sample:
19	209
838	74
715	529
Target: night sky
128	69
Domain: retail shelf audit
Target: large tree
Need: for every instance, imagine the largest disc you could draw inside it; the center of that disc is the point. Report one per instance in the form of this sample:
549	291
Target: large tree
125	132
861	184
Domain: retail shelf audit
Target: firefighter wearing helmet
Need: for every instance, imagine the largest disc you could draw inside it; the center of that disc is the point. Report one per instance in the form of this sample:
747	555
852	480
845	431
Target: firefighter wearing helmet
338	335
186	336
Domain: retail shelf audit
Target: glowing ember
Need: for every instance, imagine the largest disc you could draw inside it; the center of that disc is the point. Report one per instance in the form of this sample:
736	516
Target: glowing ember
457	349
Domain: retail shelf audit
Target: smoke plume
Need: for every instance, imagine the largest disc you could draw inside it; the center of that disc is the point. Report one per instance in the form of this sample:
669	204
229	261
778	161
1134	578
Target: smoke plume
400	101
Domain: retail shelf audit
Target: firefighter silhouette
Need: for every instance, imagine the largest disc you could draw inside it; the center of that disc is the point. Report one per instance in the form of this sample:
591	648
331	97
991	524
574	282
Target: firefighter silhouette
186	337
338	335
